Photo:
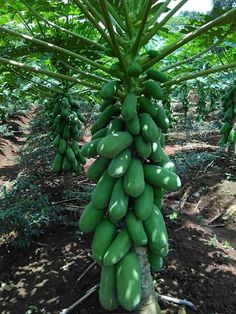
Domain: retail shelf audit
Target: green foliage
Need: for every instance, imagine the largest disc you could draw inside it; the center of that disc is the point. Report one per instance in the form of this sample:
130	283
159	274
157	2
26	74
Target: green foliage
25	212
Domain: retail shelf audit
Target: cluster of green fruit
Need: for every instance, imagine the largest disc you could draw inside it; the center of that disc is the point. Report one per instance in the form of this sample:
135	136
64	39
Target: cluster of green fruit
65	120
228	129
132	172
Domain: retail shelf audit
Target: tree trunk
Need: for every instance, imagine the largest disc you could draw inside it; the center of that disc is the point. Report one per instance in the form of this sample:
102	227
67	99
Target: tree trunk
68	181
148	304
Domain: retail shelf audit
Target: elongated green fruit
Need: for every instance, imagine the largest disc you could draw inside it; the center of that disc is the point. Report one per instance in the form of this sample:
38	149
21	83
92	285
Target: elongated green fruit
119	164
108	90
225	128
157	76
107	288
150	131
103	237
62	146
90	218
162	139
133	126
129	107
118	248
155	229
80	117
166	163
153	53
104	118
116	125
77	152
143	205
113	144
66	165
161	118
157	154
129	282
57	163
102	192
66	132
100	133
232	136
56	140
97	168
89	149
135	229
134	69
134	178
142	147
76	167
163	252
119	201
153	89
155	261
162	178
146	106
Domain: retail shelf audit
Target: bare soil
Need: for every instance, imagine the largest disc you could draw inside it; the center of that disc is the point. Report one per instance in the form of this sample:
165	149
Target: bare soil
201	265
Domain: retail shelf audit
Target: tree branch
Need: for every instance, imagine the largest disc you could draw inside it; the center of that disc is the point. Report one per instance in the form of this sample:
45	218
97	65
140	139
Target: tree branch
112	34
88	75
169	49
156	28
200	73
197	55
85	39
50	46
92	20
159	12
137	43
129	27
116	17
46	72
29	80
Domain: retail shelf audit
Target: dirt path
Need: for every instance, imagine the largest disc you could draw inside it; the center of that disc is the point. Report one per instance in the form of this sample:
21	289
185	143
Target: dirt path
10	149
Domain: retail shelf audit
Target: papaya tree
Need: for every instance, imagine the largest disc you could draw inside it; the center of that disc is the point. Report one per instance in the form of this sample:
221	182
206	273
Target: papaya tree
228	128
131	170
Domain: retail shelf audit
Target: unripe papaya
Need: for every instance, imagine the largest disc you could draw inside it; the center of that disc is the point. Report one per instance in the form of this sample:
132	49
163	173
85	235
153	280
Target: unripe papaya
153	89
157	76
134	178
120	163
129	282
108	90
129	107
102	239
118	248
133	126
150	131
134	69
118	204
90	218
142	147
102	192
113	144
135	229
107	288
143	205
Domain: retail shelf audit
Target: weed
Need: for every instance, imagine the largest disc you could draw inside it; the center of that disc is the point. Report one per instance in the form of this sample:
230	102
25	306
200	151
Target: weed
213	241
226	245
174	216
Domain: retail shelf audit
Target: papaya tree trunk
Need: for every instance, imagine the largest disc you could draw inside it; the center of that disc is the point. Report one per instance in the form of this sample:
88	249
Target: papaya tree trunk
68	181
148	304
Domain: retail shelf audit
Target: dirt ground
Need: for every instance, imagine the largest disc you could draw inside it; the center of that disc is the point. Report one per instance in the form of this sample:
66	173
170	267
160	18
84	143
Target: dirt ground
201	265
